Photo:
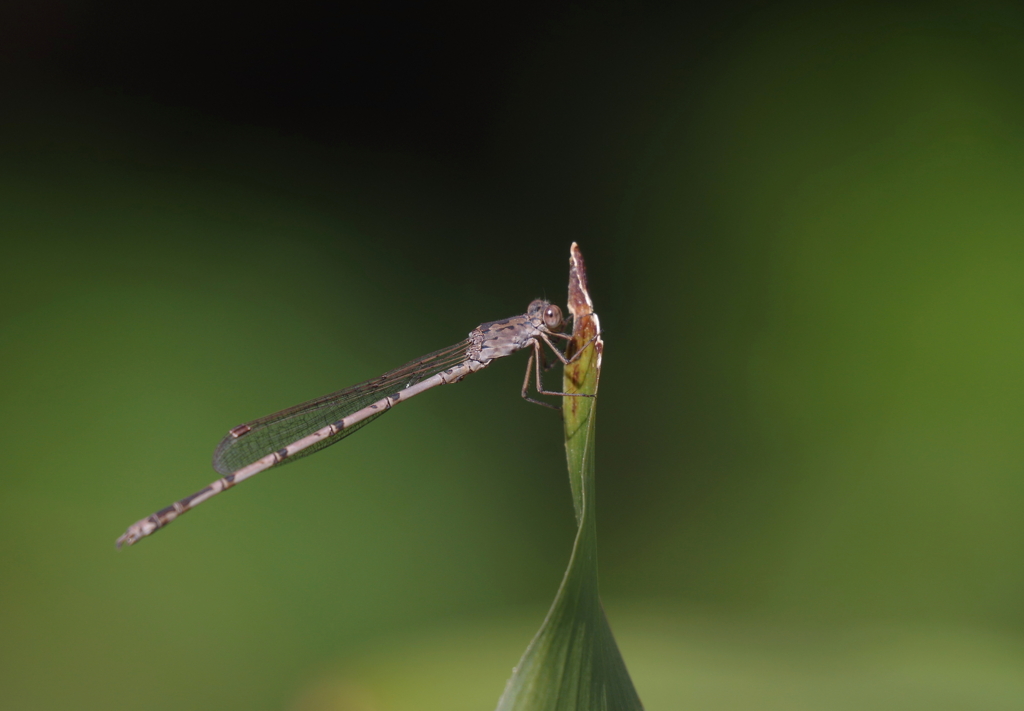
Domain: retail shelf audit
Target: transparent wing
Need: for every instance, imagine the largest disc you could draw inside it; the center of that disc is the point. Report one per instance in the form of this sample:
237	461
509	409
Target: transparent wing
273	432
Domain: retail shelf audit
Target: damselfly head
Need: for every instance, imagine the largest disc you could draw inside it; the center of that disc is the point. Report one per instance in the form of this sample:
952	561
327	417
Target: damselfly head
549	314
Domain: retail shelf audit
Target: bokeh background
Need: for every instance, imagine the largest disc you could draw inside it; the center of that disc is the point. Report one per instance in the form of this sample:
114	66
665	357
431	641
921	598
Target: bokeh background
805	234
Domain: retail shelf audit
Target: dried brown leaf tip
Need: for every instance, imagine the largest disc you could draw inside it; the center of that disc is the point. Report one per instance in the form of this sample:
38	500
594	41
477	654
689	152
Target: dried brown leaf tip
586	324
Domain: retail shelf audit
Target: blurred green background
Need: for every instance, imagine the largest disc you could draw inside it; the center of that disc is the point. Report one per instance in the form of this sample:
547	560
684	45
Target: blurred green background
805	234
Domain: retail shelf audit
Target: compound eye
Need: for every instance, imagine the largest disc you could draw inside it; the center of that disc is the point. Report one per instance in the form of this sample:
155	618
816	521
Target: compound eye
553	317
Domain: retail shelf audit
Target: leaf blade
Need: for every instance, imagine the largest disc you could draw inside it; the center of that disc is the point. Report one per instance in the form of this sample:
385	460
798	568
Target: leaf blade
573	662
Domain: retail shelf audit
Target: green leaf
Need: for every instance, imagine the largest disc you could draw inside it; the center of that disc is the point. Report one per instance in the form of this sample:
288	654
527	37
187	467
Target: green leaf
573	662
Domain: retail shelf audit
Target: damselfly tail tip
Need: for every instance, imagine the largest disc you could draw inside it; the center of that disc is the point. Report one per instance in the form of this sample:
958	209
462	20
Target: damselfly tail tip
134	533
